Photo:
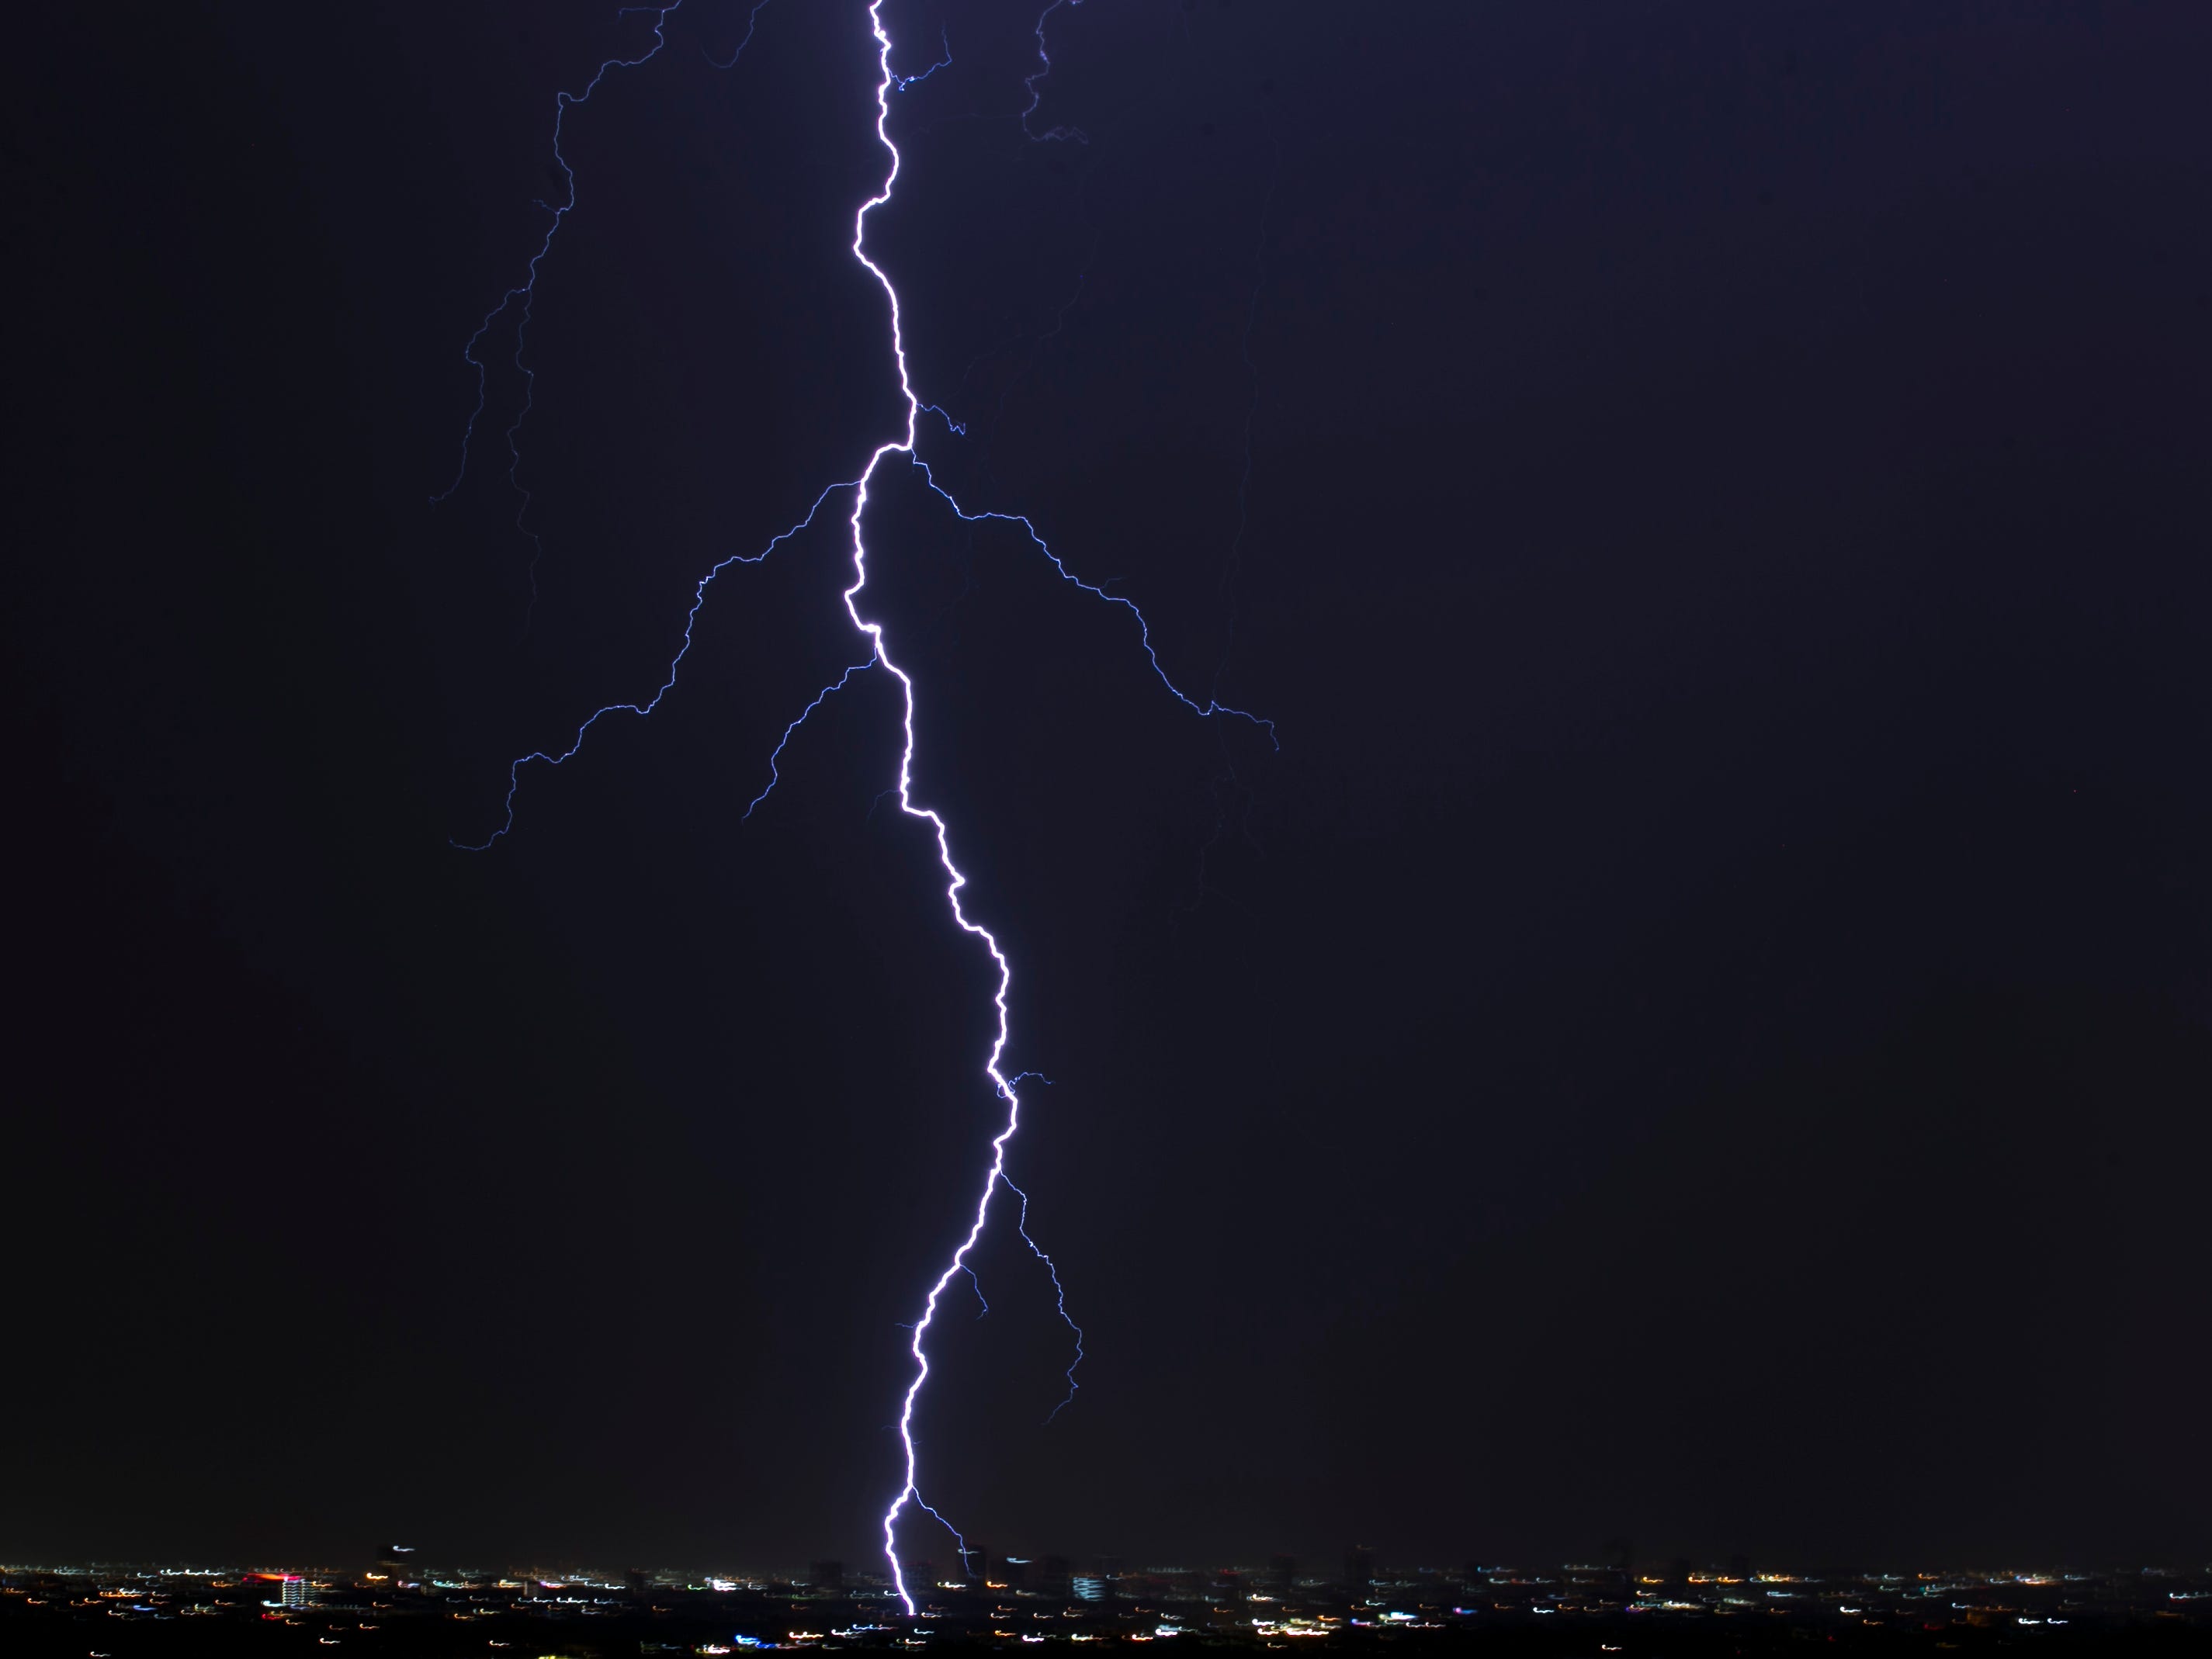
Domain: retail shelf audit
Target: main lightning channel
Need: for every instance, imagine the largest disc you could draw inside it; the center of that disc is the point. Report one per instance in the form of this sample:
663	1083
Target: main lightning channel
909	1488
1006	1087
995	1175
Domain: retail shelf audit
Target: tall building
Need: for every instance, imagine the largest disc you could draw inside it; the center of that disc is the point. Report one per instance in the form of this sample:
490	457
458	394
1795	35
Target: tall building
1093	1587
1282	1575
1359	1569
297	1592
826	1577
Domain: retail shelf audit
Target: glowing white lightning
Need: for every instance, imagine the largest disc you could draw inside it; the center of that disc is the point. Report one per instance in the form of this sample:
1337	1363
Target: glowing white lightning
1004	1086
908	1491
995	1175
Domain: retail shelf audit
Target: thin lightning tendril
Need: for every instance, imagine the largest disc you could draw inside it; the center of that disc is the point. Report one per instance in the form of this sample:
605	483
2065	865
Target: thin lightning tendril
775	777
945	38
523	297
752	22
1097	591
525	292
1059	1294
1004	1086
1073	135
690	619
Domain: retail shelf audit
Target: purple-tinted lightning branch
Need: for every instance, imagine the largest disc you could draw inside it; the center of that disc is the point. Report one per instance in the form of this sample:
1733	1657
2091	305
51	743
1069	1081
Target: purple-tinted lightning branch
1209	708
524	297
1073	135
959	1543
1059	1295
775	777
944	40
752	22
668	682
526	290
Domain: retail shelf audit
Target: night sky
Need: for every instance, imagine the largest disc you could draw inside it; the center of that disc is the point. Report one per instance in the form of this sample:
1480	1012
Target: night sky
1702	1036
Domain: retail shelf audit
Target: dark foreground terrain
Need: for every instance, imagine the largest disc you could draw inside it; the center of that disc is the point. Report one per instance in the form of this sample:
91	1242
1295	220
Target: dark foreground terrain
113	1613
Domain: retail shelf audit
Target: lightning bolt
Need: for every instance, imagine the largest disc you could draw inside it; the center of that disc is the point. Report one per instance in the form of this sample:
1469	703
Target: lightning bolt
642	709
776	754
1060	1298
909	1490
1073	135
1006	1088
995	1177
752	22
523	297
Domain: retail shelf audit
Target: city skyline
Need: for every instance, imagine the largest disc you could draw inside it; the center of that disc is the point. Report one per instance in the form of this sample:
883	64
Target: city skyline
1509	1610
